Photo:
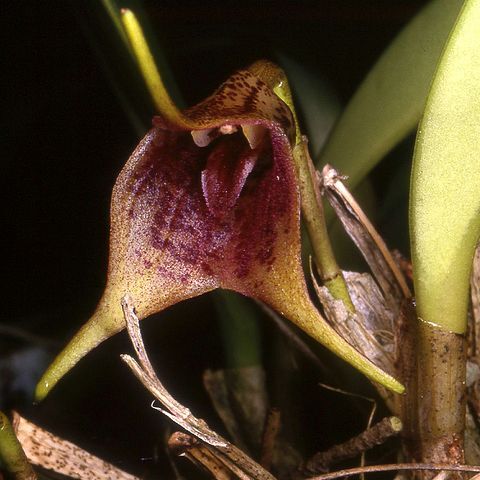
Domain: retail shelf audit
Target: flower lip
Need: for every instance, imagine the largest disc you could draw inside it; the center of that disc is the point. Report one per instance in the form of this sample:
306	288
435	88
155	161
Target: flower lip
229	163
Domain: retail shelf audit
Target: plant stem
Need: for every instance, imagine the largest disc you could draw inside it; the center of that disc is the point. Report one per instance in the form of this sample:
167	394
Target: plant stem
313	213
11	453
441	360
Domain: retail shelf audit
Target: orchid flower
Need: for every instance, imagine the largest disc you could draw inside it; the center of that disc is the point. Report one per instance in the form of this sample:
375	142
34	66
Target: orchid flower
210	199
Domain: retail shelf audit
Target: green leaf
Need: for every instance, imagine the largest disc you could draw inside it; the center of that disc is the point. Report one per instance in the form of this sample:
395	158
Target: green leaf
390	101
445	188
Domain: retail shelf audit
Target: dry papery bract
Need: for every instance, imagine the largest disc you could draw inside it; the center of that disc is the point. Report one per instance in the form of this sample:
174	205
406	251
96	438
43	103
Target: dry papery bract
51	452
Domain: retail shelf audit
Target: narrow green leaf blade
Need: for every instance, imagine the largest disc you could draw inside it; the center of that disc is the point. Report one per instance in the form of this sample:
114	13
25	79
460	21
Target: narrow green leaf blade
390	101
445	188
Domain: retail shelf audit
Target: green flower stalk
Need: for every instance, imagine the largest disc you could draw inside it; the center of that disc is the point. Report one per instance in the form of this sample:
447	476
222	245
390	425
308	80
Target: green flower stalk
11	453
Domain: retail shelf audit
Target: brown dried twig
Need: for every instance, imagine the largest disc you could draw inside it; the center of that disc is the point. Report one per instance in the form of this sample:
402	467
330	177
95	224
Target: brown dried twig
369	438
438	467
240	464
183	444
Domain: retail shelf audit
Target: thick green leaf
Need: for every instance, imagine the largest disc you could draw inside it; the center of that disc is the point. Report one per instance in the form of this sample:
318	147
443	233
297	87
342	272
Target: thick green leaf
391	99
445	188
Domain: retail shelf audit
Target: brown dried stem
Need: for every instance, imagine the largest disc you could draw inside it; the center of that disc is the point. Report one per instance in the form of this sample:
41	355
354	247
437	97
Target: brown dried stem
369	438
439	467
237	461
183	444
